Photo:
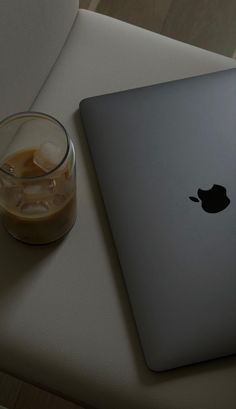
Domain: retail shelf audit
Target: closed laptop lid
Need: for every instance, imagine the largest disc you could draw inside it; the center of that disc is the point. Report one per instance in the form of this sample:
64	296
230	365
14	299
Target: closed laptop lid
165	158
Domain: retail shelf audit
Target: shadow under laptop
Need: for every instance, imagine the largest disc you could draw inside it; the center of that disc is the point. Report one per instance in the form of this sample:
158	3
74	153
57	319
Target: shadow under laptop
146	375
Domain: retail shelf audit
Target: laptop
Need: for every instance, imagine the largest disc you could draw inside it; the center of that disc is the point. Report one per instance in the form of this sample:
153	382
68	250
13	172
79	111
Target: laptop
165	158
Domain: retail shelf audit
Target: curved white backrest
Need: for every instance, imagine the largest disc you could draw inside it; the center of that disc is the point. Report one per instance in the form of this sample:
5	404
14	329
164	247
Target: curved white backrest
32	33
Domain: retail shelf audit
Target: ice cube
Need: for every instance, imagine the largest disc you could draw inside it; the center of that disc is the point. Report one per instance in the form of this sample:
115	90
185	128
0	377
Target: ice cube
42	187
34	208
10	190
8	180
11	195
8	168
48	156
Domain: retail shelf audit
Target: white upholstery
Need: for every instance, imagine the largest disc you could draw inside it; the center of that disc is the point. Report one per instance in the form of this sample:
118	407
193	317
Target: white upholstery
31	36
65	320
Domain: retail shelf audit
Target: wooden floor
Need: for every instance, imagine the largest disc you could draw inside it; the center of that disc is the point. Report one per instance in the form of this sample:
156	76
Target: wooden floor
15	394
208	24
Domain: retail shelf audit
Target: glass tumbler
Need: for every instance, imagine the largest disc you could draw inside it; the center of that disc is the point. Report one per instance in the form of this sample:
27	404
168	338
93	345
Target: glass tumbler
37	178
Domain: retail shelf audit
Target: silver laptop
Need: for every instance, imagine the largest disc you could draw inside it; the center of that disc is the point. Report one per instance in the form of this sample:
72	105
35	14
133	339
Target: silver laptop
165	158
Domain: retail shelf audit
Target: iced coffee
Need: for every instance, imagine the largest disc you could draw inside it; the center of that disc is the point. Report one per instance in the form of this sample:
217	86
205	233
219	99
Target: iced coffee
38	187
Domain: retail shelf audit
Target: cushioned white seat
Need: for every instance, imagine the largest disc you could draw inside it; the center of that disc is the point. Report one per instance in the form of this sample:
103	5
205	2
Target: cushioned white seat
65	320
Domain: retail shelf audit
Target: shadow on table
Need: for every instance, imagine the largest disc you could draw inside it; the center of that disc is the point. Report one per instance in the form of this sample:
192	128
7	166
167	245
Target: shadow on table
146	376
20	262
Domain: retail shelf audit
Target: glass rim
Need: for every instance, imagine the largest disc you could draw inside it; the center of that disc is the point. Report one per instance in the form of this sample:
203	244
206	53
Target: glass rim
44	116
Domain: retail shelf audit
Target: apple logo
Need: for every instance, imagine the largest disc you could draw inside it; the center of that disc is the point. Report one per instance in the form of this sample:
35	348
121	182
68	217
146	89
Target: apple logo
213	200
